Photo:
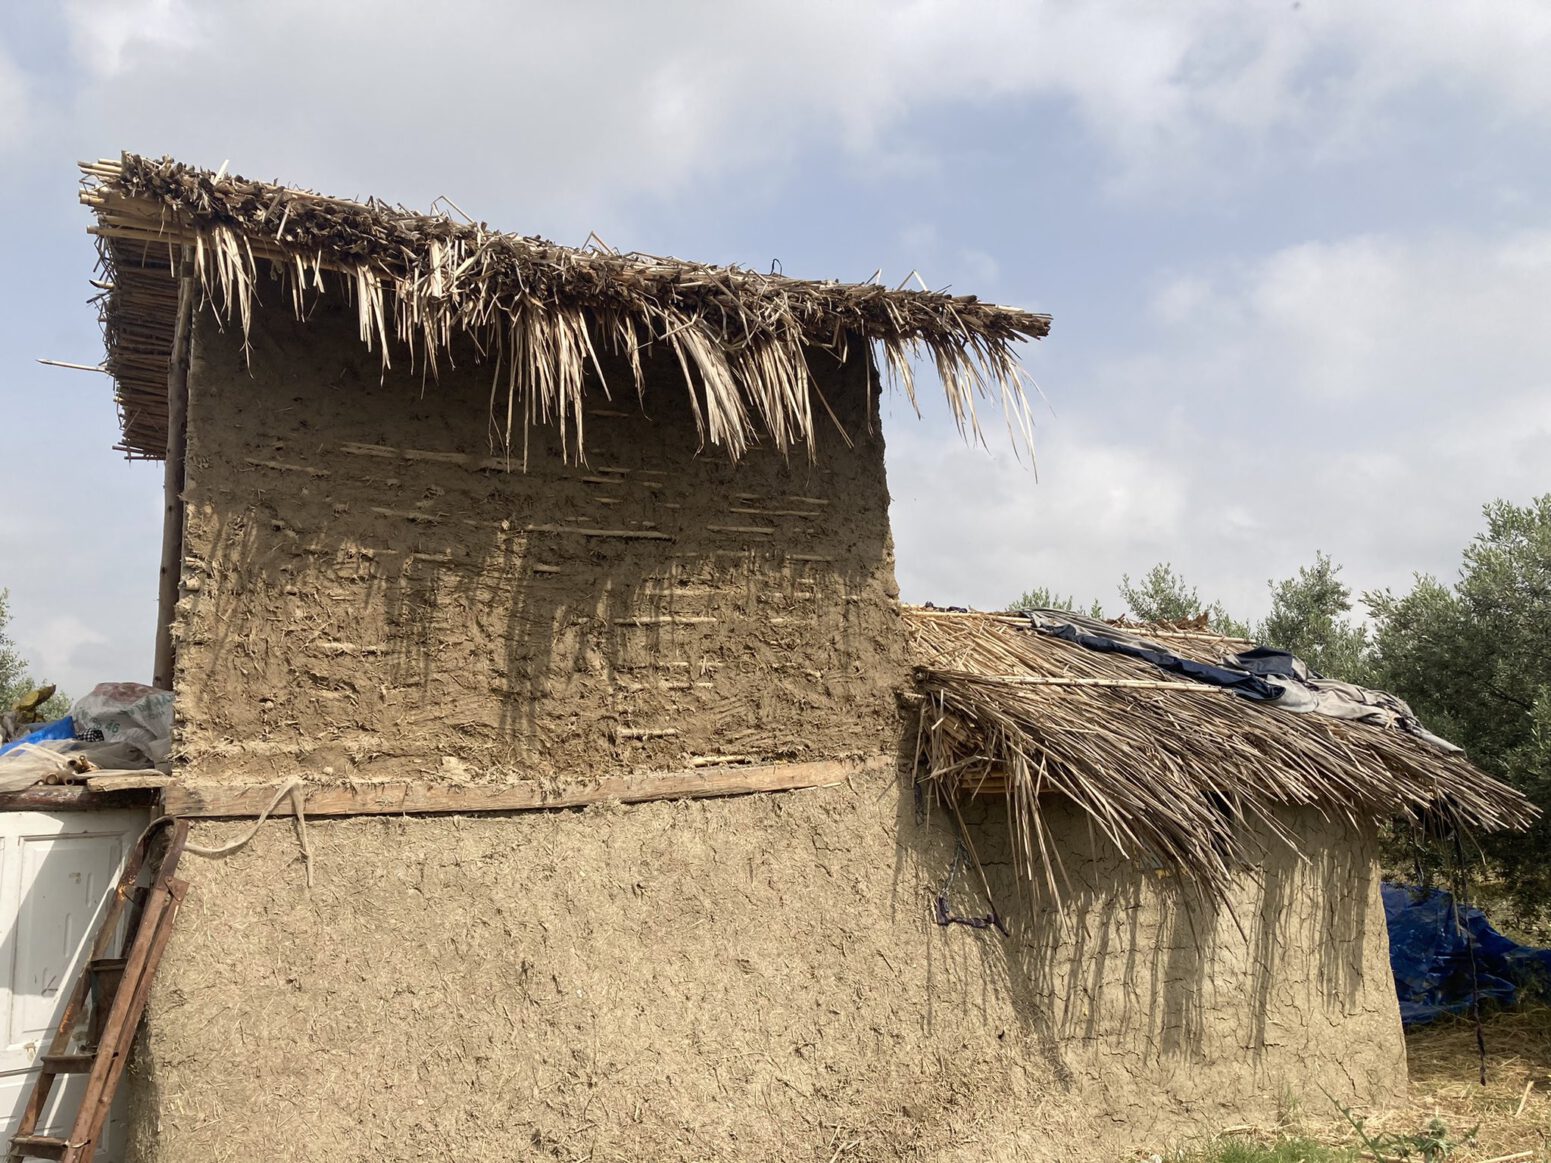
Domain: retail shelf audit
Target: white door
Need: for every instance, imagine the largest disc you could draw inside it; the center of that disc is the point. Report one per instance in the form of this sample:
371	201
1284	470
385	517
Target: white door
57	870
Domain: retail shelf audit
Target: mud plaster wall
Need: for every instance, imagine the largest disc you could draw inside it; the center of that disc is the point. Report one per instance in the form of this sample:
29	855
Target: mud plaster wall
369	592
747	979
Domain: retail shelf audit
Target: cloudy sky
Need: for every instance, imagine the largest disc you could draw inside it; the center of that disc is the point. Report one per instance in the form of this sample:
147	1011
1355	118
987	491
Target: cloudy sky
1298	252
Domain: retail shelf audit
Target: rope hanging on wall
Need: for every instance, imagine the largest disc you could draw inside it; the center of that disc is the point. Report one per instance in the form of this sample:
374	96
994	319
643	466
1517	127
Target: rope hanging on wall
295	787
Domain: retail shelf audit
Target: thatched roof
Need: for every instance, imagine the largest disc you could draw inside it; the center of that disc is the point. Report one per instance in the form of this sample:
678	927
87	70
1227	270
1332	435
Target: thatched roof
540	312
1162	765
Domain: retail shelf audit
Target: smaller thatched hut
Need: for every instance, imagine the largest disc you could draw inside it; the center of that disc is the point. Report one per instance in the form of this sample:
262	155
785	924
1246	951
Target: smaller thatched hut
1168	768
1187	878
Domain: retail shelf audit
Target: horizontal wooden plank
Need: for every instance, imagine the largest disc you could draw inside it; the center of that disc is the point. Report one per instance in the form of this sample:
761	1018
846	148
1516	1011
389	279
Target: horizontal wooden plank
404	797
39	1147
72	797
126	780
68	1063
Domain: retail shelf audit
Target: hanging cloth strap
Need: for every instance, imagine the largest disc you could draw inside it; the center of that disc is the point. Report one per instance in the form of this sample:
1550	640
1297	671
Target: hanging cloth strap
296	788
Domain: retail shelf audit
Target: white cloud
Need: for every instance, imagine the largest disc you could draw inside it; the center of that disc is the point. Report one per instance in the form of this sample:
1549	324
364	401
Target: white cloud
934	259
974	527
59	645
83	580
112	37
1498	48
1229	513
15	102
1363	397
568	102
1402	323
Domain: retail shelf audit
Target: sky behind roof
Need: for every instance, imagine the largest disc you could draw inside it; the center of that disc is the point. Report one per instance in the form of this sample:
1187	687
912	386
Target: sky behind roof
1298	253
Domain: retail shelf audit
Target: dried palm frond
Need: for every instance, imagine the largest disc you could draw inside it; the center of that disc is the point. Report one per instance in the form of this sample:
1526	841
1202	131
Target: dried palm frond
540	311
1167	769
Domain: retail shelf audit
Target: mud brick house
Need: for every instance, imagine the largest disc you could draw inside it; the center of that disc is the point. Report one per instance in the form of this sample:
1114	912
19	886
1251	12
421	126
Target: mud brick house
556	588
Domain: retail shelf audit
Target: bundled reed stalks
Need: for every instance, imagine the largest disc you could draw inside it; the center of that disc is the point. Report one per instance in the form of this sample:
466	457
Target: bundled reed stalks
539	313
1166	768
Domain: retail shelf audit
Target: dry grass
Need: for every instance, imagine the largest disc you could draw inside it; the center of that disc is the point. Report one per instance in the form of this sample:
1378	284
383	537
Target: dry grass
1450	1113
1512	1111
539	314
1164	767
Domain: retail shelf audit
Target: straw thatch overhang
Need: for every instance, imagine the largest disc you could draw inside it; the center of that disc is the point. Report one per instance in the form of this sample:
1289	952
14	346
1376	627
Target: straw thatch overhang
1167	768
541	313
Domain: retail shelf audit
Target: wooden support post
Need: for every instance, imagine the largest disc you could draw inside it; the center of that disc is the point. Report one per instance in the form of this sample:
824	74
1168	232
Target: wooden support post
173	476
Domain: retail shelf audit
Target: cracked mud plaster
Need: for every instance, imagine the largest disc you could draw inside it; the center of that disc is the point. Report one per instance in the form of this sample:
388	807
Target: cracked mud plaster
368	594
372	589
747	979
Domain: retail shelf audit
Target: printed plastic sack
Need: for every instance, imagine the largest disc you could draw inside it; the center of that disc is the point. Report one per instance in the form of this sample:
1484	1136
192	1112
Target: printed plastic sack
126	712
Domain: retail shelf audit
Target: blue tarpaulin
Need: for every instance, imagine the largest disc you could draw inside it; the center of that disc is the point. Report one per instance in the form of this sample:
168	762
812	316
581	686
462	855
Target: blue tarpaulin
58	729
1431	955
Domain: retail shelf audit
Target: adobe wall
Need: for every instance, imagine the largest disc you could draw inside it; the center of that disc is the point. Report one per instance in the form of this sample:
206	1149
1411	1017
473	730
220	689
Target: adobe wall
371	591
748	979
1167	1011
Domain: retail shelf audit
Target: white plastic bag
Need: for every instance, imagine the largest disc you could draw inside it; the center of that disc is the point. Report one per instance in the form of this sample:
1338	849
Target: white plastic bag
30	763
127	712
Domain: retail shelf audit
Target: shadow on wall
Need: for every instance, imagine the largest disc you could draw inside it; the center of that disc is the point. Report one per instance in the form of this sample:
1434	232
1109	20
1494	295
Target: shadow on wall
372	583
1130	973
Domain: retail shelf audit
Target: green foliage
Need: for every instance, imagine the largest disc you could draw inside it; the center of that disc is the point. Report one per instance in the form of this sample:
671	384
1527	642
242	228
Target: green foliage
1473	659
13	668
1291	1150
1042	598
1431	1144
15	679
1162	596
1309	618
1474	662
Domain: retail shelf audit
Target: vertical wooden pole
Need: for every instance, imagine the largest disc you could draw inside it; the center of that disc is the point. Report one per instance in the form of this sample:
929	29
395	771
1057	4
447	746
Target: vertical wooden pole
172	484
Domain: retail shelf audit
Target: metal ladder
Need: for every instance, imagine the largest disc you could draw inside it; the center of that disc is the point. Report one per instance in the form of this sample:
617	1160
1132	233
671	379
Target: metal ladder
110	994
